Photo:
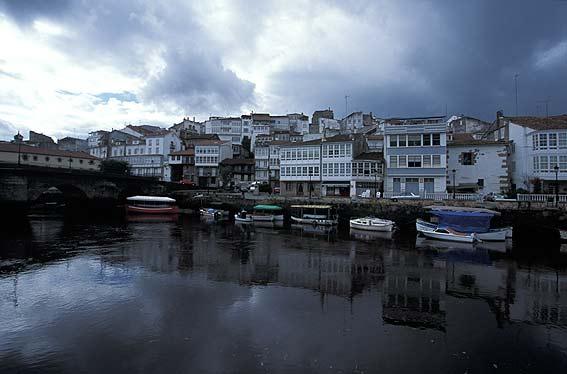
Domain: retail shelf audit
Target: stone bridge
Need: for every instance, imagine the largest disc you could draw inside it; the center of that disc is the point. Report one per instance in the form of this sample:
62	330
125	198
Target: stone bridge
24	185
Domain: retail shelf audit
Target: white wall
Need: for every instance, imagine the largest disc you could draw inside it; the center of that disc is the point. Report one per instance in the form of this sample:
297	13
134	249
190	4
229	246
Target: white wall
489	164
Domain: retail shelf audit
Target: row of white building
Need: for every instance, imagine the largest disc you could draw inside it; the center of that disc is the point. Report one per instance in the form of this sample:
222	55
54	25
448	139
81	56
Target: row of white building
359	153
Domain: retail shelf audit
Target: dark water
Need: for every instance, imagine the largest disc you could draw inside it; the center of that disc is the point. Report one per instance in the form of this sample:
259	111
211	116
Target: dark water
193	297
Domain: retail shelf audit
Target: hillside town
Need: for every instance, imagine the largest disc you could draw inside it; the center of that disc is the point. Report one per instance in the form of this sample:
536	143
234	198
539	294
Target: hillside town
359	155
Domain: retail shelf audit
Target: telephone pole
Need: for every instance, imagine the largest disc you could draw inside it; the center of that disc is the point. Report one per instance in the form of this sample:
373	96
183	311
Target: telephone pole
346	105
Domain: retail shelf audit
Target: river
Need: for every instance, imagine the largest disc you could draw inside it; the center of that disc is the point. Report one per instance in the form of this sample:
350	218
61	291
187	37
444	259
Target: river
190	296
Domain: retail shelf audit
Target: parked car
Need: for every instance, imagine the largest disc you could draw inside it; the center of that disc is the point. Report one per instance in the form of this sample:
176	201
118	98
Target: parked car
411	196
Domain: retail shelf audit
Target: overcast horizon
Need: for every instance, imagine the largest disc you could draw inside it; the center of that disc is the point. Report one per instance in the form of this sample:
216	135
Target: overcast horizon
70	67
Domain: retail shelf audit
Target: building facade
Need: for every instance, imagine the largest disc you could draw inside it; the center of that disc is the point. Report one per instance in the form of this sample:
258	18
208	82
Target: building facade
208	156
537	152
415	152
477	166
300	169
22	154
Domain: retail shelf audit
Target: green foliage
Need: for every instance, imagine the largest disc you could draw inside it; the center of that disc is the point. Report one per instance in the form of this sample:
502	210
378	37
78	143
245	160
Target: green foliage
115	167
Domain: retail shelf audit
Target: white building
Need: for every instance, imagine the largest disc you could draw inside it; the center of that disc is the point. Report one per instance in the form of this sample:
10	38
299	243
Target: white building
337	156
480	166
538	151
227	128
416	155
208	156
300	168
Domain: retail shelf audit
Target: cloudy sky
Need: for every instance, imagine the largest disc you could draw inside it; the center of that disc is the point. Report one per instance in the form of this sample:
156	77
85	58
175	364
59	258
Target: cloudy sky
70	66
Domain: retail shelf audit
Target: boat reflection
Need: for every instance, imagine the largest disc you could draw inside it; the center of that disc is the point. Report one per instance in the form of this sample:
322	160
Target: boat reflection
152	218
315	230
432	244
370	235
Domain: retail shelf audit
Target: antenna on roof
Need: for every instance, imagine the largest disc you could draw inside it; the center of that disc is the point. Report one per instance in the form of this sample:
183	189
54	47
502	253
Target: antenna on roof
346	105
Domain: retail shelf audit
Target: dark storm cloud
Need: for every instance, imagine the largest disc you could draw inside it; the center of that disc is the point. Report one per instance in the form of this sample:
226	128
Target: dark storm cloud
459	55
467	52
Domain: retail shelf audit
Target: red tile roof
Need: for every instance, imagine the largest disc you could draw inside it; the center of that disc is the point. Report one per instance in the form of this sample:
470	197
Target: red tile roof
541	123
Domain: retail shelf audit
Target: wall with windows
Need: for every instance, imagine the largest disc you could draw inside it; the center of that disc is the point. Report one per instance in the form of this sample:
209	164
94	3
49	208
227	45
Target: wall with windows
300	163
416	158
478	168
49	160
549	150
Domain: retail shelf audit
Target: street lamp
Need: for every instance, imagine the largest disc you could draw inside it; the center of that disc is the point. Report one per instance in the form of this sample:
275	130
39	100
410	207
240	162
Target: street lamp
454	187
556	168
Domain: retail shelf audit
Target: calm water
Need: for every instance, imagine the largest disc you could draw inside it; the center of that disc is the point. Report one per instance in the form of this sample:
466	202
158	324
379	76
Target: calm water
194	297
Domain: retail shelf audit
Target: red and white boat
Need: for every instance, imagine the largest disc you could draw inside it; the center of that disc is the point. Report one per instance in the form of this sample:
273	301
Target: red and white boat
151	205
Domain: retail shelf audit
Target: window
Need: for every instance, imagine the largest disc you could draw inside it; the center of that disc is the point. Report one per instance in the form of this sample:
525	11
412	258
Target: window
436	139
150	142
393	141
480	182
543	165
35	158
563	163
80	161
536	163
59	159
342	168
325	169
467	158
414	161
402	161
534	141
310	170
402	140
336	168
25	157
552	163
91	162
393	161
553	141
414	140
543	141
436	160
426	139
46	158
562	140
157	149
426	161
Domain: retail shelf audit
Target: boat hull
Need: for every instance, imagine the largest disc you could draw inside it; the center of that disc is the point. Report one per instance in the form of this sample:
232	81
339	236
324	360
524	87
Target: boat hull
494	235
315	221
144	210
262	218
370	227
449	237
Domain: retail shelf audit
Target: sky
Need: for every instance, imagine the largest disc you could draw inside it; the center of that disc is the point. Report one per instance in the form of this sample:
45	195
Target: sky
68	67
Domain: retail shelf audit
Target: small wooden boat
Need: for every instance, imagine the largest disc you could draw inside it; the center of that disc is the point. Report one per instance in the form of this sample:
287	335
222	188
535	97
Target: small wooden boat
371	224
243	217
492	235
151	205
267	213
323	215
450	234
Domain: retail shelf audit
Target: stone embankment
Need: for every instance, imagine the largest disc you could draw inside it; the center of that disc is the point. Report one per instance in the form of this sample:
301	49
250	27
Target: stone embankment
532	220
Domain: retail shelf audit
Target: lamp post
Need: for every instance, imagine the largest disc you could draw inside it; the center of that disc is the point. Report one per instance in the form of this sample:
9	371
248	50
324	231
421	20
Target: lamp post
556	168
454	187
376	181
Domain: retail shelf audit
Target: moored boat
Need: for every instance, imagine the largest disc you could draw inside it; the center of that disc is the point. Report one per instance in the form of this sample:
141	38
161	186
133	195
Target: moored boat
264	212
243	217
211	213
466	220
371	224
323	215
449	234
151	205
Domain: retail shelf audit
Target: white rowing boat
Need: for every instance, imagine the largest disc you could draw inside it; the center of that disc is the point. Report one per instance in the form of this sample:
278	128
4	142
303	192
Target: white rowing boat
371	224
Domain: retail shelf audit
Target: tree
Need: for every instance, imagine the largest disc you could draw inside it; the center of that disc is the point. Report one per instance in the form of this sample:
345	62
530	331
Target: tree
115	167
